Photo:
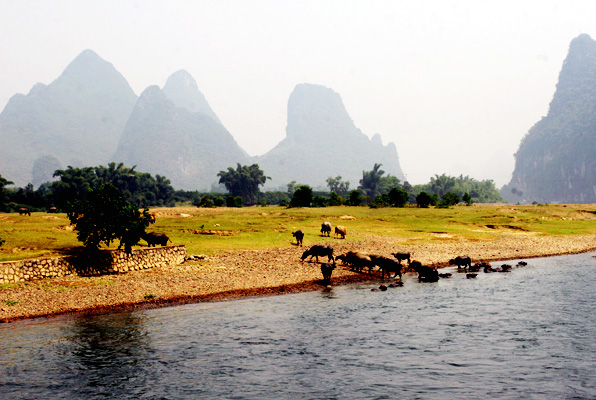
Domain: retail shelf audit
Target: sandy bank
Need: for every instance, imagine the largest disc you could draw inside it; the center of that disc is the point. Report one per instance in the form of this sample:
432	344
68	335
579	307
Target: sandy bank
250	273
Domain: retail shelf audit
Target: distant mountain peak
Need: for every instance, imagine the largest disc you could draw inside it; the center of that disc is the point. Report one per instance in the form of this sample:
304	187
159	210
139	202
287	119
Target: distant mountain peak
183	90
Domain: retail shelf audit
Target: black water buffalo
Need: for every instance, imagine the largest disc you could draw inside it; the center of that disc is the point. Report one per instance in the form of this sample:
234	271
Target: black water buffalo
327	269
52	210
155	238
318	250
401	256
299	235
356	260
461	262
24	211
425	273
340	231
387	265
326	228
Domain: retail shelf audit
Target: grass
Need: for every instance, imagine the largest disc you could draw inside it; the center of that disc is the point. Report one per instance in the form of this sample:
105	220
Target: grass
208	231
11	302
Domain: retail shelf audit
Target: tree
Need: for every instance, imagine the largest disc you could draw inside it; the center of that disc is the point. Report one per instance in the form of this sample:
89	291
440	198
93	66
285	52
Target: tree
243	181
467	199
319	201
398	197
423	200
370	180
386	183
3	182
355	198
449	199
335	199
338	186
302	197
103	215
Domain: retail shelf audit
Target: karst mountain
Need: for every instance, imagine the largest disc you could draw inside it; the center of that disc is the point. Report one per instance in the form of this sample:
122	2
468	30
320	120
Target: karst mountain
90	116
556	160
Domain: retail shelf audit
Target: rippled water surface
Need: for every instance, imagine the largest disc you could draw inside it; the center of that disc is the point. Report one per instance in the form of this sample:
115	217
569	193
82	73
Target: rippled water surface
530	333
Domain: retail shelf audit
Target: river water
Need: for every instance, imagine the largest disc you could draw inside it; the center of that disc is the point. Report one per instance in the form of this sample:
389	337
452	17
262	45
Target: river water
529	333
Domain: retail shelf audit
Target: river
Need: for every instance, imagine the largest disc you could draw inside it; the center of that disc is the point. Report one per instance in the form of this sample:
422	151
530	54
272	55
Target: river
529	333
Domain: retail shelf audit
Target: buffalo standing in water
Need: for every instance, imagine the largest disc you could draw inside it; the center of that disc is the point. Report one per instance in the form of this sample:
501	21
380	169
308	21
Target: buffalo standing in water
327	270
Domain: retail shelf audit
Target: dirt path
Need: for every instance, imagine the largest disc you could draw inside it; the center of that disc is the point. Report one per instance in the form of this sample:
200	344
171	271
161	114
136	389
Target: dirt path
248	273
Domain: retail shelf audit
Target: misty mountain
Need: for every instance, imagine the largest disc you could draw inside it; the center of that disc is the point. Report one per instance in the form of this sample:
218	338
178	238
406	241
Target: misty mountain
556	160
76	120
189	148
182	89
322	141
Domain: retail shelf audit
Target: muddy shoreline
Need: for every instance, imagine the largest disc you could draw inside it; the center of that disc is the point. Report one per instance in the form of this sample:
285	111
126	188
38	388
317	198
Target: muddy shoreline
240	274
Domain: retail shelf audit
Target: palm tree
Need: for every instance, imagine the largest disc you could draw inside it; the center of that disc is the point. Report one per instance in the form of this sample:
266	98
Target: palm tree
243	181
370	180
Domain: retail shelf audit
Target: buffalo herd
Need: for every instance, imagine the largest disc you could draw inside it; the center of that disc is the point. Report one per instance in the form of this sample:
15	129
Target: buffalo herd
387	267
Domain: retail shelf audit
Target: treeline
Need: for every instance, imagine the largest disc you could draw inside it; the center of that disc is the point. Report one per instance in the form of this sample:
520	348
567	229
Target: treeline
143	190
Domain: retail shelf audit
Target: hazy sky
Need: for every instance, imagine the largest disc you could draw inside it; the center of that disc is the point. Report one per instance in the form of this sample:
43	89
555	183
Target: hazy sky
452	83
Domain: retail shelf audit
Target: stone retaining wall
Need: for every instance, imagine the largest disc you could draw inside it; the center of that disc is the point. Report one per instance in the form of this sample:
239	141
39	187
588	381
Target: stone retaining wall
103	262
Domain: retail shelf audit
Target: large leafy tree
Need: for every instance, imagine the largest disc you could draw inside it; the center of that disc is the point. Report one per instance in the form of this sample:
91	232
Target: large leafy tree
302	197
336	185
244	181
138	188
103	215
370	180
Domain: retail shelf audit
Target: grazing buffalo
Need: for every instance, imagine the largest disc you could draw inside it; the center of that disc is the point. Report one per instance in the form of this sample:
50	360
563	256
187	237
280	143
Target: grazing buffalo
24	211
357	260
522	264
155	238
340	231
327	270
129	239
461	262
326	228
299	235
387	265
401	256
471	276
318	250
505	268
425	273
52	210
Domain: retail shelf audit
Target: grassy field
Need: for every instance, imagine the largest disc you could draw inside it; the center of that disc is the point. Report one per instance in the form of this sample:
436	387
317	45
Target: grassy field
208	231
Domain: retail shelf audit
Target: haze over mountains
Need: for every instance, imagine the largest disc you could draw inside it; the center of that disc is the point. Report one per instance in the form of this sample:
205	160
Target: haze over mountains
90	116
556	160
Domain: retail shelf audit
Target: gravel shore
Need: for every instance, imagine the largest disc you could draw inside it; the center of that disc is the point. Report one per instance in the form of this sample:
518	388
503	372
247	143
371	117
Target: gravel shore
237	274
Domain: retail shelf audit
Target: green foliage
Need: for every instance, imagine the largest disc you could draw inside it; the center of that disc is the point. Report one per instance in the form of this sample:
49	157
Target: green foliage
234	201
103	215
218	201
355	198
338	186
206	202
138	188
244	181
3	200
448	199
386	183
423	200
302	197
467	199
479	191
335	199
370	181
319	201
398	197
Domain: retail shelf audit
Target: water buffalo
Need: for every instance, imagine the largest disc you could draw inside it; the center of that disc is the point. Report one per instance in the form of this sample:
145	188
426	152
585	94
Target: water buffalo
401	256
318	250
327	269
52	210
425	273
356	260
155	238
299	235
461	262
387	265
326	228
340	231
24	211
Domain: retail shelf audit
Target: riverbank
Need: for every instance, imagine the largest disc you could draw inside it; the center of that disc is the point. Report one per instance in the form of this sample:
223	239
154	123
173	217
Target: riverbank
235	274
